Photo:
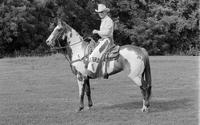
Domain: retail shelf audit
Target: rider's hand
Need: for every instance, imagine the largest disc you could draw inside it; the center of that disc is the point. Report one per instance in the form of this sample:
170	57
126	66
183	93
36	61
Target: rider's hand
95	31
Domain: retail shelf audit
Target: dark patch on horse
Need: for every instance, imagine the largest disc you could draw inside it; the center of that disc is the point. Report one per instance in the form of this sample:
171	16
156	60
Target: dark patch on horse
69	52
119	64
139	51
70	35
80	76
139	57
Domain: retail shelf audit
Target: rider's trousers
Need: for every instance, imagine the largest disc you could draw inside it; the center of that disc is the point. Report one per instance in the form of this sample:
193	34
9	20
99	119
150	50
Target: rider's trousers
97	54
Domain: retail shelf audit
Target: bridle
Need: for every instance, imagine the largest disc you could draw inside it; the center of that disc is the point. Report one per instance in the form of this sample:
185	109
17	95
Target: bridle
68	46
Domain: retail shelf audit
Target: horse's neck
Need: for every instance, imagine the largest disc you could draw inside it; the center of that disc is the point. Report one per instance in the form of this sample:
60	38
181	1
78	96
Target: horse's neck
77	45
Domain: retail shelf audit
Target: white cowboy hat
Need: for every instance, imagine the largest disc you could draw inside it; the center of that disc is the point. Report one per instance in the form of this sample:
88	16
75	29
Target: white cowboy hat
101	8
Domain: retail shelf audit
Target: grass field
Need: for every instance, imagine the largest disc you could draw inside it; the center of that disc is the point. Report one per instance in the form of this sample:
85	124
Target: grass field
43	91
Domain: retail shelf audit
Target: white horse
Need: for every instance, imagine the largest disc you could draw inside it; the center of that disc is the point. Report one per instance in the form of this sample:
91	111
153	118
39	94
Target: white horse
132	58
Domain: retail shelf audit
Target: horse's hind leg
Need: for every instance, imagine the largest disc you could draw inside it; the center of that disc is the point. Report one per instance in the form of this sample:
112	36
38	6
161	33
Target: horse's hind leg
144	89
146	92
139	82
146	85
138	79
88	92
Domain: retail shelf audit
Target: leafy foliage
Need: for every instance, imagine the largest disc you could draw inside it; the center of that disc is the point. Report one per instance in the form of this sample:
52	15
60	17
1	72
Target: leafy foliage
160	26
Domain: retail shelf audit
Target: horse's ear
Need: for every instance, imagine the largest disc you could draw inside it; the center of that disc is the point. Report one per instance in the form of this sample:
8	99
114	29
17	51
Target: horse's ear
59	22
63	23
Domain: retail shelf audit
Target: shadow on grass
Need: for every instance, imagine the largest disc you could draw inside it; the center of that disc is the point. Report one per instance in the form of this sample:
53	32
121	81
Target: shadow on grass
155	106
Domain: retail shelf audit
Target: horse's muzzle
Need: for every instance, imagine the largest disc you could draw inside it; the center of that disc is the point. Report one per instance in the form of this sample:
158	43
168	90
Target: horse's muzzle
49	43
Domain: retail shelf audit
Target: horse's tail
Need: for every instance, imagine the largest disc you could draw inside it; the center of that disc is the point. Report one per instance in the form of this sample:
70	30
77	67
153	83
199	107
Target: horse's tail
147	74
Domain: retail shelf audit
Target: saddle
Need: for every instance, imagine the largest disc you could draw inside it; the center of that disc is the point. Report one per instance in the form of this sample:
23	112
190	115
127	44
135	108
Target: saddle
112	53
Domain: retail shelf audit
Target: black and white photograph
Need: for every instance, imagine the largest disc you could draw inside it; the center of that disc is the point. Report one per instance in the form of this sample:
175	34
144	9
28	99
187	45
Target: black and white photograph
99	62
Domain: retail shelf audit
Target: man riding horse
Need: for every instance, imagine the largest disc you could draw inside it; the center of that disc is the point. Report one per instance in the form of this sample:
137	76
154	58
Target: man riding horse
106	34
131	58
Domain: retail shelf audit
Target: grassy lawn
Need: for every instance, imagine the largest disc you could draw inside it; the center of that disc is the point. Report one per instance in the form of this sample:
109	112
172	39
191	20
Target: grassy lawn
43	91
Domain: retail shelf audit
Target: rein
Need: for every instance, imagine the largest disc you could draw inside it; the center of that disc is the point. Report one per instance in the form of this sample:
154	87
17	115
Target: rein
65	47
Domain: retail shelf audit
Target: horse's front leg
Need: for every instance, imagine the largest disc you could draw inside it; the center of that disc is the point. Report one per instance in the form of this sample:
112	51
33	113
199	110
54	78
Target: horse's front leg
88	92
81	86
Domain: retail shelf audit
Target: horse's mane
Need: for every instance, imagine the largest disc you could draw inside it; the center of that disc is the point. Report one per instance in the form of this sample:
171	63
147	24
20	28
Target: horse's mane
69	28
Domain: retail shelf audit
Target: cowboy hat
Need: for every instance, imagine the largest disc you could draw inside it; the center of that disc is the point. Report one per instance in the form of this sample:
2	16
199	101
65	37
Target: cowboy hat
102	8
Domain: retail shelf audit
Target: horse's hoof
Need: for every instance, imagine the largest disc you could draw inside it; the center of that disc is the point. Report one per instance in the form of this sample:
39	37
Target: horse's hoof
80	109
145	109
90	105
89	108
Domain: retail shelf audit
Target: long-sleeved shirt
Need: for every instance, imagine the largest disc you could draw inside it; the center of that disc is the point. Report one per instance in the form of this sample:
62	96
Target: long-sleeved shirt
106	28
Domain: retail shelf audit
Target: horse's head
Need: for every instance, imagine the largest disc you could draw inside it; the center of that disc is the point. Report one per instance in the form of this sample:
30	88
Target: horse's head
60	31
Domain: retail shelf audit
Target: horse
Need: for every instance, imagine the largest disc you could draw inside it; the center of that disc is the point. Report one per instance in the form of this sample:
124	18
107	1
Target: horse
132	58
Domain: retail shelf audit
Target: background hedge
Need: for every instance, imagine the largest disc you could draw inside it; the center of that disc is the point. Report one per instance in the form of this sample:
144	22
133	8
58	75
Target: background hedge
161	26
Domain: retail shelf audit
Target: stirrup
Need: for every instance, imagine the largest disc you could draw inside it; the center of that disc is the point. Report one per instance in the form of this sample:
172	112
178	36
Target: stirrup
105	76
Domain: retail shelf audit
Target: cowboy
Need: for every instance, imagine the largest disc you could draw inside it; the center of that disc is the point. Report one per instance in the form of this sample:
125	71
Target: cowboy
106	34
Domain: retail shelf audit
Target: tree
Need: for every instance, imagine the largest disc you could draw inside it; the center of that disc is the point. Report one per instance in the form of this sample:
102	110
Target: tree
160	26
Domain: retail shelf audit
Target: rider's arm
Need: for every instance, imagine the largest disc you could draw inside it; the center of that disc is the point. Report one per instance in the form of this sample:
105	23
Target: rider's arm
106	29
